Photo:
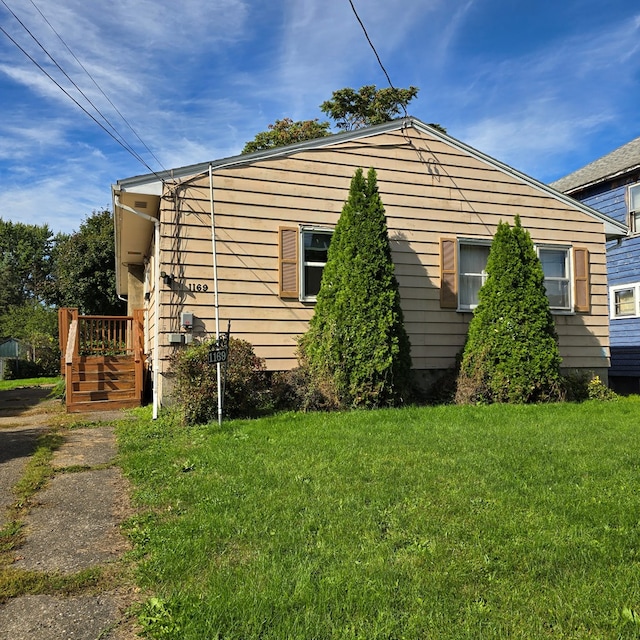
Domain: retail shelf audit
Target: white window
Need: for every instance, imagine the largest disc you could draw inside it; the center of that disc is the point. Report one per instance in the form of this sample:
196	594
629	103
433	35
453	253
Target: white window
556	266
472	274
314	246
472	260
624	301
634	208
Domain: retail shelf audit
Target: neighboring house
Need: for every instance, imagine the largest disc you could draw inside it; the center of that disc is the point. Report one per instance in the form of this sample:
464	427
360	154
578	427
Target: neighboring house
11	349
273	216
611	185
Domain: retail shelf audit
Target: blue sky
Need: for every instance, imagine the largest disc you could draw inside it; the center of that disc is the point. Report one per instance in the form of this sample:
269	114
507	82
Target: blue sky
544	86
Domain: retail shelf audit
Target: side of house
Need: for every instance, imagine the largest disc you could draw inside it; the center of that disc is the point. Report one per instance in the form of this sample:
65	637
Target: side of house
611	185
257	261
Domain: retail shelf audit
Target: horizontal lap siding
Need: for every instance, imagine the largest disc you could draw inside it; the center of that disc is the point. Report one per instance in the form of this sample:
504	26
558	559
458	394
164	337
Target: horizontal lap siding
429	190
623	267
625	361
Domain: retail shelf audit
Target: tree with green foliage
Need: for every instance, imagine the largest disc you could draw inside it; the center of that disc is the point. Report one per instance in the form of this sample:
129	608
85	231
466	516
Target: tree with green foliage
84	267
286	131
511	353
36	324
356	346
25	263
351	109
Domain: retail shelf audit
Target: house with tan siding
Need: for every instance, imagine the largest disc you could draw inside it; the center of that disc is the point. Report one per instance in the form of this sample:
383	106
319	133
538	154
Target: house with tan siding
243	241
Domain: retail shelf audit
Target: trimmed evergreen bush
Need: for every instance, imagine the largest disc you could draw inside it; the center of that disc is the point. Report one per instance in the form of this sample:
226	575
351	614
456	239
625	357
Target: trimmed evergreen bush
511	353
356	349
246	391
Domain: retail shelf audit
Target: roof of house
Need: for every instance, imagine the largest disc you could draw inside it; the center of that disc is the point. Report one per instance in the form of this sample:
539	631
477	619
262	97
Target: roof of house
620	161
146	190
152	183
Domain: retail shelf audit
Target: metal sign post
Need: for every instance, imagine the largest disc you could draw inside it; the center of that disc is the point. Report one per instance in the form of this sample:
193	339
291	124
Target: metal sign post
219	355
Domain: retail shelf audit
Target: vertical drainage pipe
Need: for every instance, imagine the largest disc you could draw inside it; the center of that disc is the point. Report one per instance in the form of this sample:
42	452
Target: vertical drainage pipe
215	291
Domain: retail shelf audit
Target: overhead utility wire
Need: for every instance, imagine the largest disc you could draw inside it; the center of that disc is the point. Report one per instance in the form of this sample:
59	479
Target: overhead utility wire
121	142
135	133
366	35
55	62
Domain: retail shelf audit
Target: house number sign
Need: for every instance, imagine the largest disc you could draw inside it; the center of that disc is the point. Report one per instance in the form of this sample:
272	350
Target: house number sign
219	351
198	287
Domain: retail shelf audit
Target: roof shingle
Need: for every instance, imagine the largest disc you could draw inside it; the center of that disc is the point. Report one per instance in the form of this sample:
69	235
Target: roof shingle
623	159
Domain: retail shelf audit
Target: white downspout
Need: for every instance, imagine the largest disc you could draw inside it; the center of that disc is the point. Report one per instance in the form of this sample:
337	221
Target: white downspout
156	336
215	291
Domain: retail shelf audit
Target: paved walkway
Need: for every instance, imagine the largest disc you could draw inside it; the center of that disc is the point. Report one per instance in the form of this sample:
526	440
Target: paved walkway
74	524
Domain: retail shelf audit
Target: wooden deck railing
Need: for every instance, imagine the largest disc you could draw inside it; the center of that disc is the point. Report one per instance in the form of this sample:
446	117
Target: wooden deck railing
92	337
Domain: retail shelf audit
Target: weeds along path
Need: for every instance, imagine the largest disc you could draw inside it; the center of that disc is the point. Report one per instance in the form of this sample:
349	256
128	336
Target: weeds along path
62	502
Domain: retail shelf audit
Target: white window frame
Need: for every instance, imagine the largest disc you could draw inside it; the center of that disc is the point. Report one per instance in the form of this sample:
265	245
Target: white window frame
465	306
303	263
462	242
633	198
632	286
568	277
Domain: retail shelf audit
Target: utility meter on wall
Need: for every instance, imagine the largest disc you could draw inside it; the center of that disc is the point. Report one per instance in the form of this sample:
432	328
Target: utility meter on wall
186	320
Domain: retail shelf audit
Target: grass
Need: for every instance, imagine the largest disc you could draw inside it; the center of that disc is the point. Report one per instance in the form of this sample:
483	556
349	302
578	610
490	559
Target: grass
6	385
446	522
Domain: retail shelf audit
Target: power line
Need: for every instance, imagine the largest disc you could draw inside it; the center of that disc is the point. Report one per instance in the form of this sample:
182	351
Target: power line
116	136
366	35
98	86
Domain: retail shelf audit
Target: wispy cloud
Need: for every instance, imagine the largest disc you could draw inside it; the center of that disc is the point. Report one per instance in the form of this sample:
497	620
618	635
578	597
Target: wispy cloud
197	80
552	102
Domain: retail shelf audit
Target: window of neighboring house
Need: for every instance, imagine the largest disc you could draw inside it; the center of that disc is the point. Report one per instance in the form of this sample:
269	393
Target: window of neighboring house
556	265
472	258
634	208
314	246
624	301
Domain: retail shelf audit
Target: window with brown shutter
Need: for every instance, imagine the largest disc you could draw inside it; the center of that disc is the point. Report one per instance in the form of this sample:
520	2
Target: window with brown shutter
448	274
581	282
288	262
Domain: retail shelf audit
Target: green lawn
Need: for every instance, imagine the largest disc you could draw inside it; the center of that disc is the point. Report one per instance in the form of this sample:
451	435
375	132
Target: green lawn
446	522
6	385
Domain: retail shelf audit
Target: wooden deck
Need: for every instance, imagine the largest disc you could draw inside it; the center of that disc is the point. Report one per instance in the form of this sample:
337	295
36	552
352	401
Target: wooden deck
102	361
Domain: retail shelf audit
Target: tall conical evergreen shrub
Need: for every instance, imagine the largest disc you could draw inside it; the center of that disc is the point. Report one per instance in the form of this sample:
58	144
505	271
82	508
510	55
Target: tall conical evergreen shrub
356	346
511	353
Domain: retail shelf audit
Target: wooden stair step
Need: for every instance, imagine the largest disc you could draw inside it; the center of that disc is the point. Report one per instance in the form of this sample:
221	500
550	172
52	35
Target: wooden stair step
104	368
89	376
102	385
103	394
102	405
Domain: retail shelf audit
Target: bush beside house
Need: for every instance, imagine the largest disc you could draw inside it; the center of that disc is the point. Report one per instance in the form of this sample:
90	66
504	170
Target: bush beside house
511	353
357	349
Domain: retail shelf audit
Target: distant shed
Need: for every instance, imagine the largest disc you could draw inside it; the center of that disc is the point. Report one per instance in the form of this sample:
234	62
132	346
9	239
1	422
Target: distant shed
11	349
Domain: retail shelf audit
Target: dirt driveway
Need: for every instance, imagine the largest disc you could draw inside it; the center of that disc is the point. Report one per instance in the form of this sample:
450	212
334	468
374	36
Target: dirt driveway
28	405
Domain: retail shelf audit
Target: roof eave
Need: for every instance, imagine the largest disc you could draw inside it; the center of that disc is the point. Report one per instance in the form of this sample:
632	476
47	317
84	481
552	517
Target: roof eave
603	179
613	229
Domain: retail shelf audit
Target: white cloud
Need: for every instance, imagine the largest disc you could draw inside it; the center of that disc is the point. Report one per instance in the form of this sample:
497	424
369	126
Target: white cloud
61	202
533	110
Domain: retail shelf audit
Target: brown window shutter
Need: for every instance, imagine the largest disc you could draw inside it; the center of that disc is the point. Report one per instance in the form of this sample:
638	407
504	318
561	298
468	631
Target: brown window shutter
581	283
288	262
448	274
